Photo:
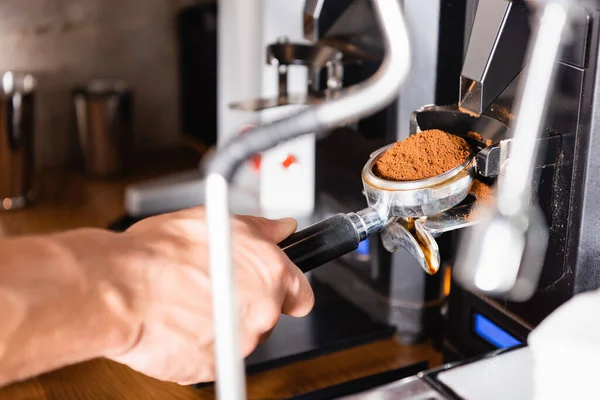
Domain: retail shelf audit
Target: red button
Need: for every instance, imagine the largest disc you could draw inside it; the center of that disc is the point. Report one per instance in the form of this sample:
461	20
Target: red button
289	161
255	160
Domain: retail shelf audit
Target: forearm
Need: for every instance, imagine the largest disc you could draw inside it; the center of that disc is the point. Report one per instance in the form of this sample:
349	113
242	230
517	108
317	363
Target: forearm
55	308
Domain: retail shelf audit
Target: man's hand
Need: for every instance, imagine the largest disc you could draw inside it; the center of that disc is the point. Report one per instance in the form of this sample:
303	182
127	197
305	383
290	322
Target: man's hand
165	269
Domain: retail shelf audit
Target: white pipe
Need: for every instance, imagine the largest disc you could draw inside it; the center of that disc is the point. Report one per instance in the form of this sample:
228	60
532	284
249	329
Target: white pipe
231	383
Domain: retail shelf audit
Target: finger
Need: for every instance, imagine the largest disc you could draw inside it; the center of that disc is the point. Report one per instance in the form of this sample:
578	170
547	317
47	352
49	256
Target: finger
193	214
299	299
274	229
258	316
265	336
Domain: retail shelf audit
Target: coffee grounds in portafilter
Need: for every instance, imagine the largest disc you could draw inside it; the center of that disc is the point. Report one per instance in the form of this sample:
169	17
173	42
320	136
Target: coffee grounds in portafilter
423	155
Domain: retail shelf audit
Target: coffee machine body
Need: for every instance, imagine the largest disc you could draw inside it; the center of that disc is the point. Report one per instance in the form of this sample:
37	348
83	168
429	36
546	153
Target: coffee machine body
565	178
482	42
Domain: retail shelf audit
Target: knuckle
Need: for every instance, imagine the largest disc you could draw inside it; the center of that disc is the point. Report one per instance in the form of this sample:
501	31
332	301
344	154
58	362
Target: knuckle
307	305
167	247
265	319
205	374
276	267
250	343
244	226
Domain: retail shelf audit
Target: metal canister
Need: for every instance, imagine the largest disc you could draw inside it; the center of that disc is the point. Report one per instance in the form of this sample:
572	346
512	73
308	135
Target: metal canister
17	135
104	115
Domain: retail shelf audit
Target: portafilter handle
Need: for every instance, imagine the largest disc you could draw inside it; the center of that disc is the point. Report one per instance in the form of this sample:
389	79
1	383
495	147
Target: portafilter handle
331	238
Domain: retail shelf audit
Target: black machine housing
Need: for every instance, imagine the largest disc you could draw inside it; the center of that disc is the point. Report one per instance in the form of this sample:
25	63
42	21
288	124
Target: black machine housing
566	187
390	286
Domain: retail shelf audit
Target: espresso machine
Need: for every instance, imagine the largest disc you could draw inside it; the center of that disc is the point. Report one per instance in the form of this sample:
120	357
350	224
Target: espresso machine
496	36
528	86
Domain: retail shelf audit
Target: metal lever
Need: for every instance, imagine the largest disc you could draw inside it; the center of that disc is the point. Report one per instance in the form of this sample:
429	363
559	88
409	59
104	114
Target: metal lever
503	255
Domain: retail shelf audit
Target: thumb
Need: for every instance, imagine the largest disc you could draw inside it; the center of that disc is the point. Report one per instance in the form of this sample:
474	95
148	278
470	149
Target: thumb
274	229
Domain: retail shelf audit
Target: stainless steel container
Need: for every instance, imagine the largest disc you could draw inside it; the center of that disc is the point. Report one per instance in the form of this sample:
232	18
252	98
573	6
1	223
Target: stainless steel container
16	144
103	110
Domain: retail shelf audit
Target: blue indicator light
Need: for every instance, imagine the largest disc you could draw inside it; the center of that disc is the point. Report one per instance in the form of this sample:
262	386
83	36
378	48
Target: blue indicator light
493	334
363	248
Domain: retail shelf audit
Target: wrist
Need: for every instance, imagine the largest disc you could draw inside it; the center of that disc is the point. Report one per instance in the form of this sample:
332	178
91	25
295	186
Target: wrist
112	315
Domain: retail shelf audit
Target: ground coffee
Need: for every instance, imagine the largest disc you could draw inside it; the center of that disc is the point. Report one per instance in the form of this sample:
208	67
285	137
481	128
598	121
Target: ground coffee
482	192
477	136
421	156
468	112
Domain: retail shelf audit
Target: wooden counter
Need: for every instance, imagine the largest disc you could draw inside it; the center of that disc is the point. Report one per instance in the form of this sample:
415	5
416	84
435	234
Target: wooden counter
68	200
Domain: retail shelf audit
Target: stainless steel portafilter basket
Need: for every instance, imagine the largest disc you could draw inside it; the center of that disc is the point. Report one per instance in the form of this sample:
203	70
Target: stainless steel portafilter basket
408	203
416	199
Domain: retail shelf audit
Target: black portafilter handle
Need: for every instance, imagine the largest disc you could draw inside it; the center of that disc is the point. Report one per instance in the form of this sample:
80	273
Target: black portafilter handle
330	239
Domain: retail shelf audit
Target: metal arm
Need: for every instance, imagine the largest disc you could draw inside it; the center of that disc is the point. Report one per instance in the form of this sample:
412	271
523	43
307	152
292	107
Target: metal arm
360	101
496	52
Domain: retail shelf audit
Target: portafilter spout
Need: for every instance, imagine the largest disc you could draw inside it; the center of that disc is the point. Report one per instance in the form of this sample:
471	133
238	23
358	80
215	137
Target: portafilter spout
358	102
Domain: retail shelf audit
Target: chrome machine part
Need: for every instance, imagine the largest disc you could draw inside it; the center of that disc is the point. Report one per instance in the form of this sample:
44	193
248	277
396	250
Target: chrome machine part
499	375
456	218
285	54
412	236
503	255
312	13
17	124
412	388
367	222
495	53
358	102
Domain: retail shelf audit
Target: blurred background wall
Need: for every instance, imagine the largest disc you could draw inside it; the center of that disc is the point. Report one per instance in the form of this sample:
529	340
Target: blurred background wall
67	42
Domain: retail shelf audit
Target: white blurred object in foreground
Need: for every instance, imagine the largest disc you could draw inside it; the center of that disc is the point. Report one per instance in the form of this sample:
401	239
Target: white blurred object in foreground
566	349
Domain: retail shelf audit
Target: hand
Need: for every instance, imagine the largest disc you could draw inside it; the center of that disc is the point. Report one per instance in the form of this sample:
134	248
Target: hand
167	273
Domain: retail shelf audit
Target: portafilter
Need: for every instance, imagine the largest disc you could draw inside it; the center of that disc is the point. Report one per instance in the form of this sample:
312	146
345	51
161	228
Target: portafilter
406	204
